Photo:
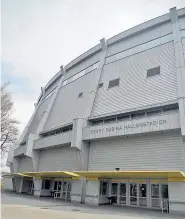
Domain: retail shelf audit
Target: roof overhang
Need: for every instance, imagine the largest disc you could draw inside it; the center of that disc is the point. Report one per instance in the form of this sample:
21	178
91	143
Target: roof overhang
139	174
52	174
13	175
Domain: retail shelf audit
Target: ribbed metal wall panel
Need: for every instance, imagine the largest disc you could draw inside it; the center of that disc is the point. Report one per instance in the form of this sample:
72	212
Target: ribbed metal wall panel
35	122
67	105
151	152
182	23
142	37
83	65
61	158
135	89
183	43
51	88
25	164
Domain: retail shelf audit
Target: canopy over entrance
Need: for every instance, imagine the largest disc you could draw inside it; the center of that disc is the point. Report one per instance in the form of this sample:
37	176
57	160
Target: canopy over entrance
171	175
140	174
12	175
51	174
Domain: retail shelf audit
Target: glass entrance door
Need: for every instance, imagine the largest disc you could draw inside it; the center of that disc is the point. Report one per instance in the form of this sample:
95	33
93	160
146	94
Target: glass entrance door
133	193
114	193
155	195
31	187
142	195
123	193
58	188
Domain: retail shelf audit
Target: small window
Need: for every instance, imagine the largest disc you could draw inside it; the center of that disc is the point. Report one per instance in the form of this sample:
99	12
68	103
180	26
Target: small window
153	71
103	188
111	120
138	115
154	112
113	83
124	117
80	95
45	184
100	122
100	85
171	108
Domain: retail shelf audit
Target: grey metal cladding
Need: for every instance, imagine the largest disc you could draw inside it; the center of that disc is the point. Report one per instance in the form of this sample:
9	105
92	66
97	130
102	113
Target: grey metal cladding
182	23
142	37
61	158
149	152
135	89
153	71
82	65
25	164
35	122
51	88
183	43
67	105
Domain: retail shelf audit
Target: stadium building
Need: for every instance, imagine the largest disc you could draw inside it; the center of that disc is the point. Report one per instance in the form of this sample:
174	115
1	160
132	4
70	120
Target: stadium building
109	127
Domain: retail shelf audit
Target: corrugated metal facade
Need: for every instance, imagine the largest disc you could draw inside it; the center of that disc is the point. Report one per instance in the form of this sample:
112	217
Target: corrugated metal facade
52	87
183	43
138	39
182	23
61	158
82	65
67	105
150	152
35	122
135	89
25	164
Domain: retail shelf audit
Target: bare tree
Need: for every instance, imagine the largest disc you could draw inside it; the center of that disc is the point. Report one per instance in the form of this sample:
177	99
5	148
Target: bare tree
9	130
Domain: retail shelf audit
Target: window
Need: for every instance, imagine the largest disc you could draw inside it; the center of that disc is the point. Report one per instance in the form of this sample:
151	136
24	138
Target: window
113	83
172	108
45	184
138	115
124	117
114	190
80	95
58	131
103	188
153	71
154	112
100	85
100	122
111	120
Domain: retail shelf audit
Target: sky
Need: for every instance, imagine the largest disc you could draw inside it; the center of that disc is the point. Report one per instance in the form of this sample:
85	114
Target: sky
38	36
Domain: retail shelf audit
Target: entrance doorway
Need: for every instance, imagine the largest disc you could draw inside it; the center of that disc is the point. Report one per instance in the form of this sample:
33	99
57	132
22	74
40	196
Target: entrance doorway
62	189
131	194
159	195
114	193
140	194
31	187
123	194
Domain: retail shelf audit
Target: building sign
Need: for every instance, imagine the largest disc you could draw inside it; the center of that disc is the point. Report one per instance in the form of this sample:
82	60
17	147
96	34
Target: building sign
135	126
129	126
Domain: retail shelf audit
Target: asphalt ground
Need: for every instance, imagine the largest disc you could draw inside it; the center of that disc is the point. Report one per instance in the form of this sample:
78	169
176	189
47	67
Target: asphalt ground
21	206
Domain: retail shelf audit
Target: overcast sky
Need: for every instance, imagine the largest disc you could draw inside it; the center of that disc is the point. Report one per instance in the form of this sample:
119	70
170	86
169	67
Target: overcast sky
38	36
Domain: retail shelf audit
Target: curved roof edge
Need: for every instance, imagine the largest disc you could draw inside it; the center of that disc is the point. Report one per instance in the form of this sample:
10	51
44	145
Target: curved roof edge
132	31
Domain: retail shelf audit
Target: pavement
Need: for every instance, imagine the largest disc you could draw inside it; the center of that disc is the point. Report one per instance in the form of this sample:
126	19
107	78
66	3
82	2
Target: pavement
21	206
